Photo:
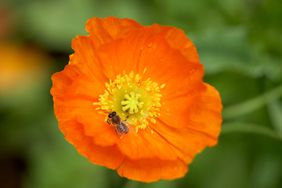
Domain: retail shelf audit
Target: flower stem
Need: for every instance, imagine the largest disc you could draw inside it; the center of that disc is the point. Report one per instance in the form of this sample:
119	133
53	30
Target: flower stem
244	127
252	104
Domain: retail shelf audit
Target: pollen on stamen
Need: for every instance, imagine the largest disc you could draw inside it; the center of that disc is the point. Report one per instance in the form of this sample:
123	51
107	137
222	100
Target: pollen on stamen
135	100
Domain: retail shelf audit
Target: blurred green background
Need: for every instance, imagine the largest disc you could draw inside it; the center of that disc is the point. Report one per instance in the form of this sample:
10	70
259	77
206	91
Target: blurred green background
240	45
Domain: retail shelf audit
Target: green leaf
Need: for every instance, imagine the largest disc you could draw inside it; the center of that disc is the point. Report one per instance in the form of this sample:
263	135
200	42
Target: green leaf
235	53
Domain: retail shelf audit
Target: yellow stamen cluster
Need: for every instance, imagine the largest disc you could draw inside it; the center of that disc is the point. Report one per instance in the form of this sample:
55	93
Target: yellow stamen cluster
135	100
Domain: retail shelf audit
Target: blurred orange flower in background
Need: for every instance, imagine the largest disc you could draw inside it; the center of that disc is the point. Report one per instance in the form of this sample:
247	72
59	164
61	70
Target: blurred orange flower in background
150	76
21	68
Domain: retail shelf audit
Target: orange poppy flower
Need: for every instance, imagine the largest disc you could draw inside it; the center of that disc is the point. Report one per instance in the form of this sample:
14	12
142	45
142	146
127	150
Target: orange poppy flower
132	98
21	69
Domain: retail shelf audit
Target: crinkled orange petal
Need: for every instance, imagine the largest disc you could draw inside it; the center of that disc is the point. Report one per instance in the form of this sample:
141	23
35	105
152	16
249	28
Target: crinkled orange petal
105	156
205	114
85	57
123	55
68	109
143	49
145	144
178	138
200	111
177	39
175	110
77	87
80	83
200	128
168	66
95	126
105	30
149	170
71	98
62	80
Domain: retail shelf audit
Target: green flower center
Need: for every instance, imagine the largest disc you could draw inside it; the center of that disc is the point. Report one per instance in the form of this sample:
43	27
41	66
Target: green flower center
135	100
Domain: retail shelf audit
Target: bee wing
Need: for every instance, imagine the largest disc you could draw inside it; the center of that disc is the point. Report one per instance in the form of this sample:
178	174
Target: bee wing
110	122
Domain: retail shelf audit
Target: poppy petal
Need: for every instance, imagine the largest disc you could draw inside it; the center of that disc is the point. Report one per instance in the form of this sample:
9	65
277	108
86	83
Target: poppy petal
123	55
105	156
108	29
86	59
95	127
145	144
177	115
201	125
195	110
71	97
205	113
149	170
145	50
158	57
80	83
178	139
177	39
